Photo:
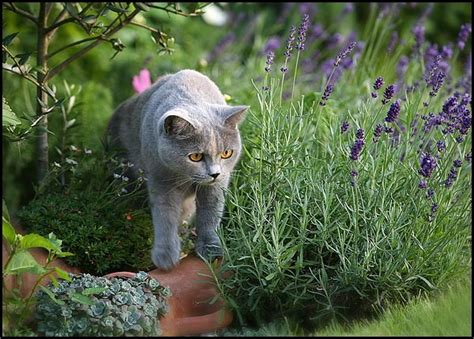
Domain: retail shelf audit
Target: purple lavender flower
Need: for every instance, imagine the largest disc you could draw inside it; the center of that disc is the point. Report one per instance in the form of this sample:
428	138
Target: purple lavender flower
402	66
344	127
289	42
348	8
392	43
437	83
360	134
447	52
327	92
273	43
441	145
269	62
302	32
468	157
356	149
388	129
463	35
377	132
419	33
434	208
422	184
354	173
430	193
393	112
459	139
377	85
388	94
344	53
452	175
457	163
428	164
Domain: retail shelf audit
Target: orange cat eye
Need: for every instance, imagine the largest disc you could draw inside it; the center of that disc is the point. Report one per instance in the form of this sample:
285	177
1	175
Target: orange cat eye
227	154
195	157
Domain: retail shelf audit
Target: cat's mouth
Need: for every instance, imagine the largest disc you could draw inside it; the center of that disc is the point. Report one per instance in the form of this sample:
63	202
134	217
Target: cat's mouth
205	181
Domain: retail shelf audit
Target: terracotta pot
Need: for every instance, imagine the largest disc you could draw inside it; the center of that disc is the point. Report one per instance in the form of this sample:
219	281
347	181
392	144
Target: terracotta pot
192	289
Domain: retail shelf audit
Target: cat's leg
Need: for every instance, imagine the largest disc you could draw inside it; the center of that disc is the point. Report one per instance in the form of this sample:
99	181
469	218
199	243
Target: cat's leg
165	204
209	209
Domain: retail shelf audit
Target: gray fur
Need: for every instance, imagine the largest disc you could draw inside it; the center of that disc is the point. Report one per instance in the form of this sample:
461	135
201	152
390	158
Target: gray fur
181	114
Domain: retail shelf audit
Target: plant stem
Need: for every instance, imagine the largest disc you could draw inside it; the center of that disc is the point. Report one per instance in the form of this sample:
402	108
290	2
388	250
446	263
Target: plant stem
42	62
296	71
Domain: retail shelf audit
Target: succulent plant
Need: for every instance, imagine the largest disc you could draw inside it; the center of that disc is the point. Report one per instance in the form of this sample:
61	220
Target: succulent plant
98	306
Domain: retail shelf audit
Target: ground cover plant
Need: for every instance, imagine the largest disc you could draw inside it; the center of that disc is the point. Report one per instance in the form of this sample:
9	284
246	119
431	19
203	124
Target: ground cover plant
354	189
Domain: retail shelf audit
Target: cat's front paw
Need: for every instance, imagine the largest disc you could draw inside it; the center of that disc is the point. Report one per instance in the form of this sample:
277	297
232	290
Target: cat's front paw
209	249
165	257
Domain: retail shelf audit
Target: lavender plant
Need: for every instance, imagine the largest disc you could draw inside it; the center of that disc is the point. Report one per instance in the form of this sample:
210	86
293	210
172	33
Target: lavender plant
333	223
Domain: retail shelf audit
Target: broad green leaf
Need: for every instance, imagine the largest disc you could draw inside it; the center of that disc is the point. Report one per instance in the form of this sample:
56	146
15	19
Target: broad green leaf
35	240
8	39
8	231
9	118
94	290
82	299
23	261
62	274
51	295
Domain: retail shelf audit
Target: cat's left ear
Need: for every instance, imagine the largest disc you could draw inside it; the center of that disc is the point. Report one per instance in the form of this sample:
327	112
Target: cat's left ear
233	115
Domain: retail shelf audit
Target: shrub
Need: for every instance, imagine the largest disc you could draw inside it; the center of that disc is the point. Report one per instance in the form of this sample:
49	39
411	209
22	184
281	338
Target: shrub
100	214
328	222
98	306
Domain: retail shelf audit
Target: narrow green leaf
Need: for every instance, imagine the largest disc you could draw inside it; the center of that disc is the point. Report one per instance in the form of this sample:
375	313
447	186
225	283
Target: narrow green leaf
5	210
8	231
62	274
142	6
82	299
51	295
54	281
8	39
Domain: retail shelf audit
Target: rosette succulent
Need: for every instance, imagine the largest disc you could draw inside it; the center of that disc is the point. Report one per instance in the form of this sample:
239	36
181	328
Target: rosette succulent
98	306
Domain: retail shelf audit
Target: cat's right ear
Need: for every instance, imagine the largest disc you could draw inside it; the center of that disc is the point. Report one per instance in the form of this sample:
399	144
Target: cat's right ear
176	125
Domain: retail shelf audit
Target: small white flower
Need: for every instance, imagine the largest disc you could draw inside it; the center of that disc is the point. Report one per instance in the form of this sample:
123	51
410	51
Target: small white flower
124	178
87	151
129	164
71	161
124	190
56	164
74	148
117	176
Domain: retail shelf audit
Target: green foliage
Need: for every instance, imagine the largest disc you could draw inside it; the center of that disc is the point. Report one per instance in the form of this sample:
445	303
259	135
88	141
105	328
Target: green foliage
97	306
19	261
93	215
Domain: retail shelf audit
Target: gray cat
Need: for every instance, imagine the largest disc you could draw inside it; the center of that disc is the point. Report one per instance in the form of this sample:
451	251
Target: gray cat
185	138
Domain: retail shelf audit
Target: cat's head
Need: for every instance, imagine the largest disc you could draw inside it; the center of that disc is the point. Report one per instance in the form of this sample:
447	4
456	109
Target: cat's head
203	148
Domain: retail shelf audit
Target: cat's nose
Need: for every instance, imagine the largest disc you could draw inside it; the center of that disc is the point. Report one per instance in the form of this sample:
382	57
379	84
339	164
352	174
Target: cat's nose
214	175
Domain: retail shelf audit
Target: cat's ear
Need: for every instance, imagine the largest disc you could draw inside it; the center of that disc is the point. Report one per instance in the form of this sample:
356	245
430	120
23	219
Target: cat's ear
233	115
177	124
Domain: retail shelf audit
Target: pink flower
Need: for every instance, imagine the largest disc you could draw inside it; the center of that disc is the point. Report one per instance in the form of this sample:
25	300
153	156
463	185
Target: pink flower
142	81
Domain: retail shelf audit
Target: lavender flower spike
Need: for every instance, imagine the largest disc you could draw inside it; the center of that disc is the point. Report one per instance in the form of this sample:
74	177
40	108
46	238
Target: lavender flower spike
327	92
388	93
428	164
344	53
393	112
344	127
463	35
377	132
302	32
377	85
269	62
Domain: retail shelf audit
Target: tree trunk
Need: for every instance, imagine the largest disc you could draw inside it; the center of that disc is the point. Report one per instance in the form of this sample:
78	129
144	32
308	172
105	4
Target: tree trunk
42	62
